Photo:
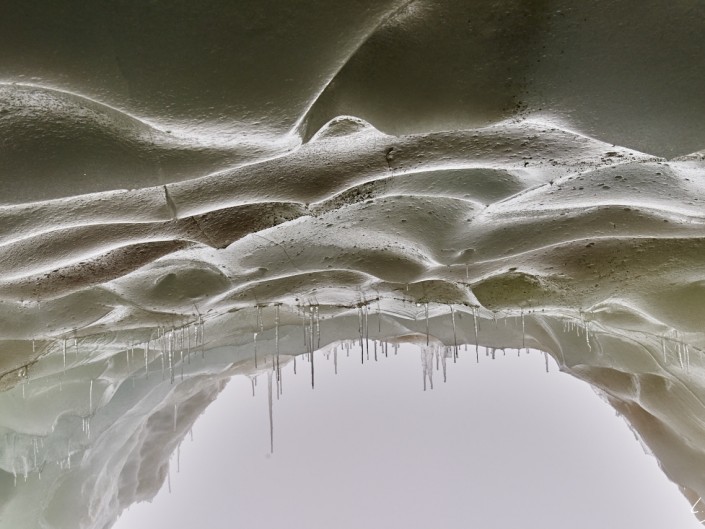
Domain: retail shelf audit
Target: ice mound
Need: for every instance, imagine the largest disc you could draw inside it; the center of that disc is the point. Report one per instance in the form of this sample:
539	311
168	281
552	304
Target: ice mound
209	180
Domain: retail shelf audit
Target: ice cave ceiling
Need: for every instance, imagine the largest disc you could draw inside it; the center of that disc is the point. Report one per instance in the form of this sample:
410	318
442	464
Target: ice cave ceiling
182	175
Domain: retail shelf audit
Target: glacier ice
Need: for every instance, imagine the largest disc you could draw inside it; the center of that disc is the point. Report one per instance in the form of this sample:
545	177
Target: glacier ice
190	188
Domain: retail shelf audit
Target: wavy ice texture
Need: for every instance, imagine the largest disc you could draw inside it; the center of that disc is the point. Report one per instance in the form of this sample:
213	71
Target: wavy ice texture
175	176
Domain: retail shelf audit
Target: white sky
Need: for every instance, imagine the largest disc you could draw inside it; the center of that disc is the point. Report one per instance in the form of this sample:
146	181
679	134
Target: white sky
500	445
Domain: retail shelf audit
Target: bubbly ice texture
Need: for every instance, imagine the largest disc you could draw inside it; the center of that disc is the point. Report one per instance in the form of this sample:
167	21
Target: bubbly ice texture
171	174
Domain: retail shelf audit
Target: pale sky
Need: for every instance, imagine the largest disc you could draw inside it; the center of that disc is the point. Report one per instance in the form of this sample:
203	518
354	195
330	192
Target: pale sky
502	444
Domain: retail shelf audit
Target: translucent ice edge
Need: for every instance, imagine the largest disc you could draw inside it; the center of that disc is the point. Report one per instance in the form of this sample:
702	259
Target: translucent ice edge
90	427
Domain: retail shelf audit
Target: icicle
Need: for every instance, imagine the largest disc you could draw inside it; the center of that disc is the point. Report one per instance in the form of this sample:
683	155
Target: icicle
182	343
545	356
255	343
252	381
477	340
303	325
523	330
367	331
443	362
312	378
201	331
318	328
280	384
276	328
359	322
170	357
423	372
687	358
188	344
427	332
276	375
271	415
427	361
311	328
379	317
202	325
335	360
581	326
162	358
176	416
360	332
455	339
64	350
276	343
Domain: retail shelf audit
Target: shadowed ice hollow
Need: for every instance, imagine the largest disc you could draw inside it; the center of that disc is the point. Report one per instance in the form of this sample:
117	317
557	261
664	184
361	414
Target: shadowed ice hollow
234	179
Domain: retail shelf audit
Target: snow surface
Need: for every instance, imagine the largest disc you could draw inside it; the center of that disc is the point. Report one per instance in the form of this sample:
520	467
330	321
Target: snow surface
201	177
